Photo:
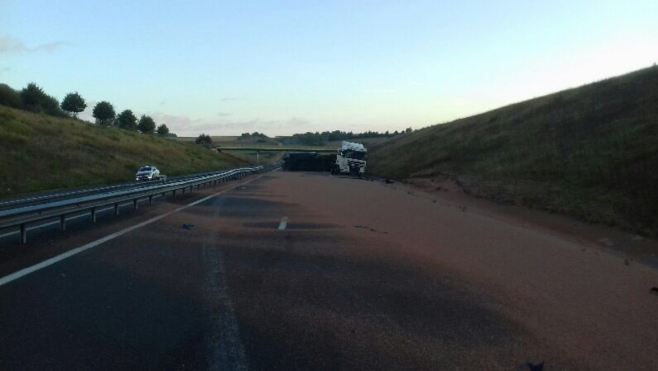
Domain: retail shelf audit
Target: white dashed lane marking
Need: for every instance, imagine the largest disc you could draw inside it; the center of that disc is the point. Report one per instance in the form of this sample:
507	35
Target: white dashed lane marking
284	223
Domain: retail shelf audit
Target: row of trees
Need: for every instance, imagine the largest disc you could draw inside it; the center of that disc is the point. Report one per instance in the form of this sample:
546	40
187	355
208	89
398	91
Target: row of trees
106	116
253	136
318	139
32	98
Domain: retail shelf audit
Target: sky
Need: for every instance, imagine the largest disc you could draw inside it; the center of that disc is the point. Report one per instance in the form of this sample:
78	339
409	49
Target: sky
288	66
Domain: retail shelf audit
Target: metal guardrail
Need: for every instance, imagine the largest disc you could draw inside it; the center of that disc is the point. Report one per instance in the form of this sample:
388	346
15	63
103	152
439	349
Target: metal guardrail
22	216
62	194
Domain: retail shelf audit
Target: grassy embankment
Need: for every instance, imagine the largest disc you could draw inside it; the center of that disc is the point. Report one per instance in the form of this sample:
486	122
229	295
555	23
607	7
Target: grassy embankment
589	152
39	152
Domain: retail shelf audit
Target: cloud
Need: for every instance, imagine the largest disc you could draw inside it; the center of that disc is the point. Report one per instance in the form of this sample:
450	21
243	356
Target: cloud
223	114
5	70
230	99
9	45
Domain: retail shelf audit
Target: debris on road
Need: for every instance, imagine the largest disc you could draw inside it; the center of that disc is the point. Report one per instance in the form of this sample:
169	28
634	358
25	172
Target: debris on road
370	229
188	226
532	366
606	242
654	290
240	188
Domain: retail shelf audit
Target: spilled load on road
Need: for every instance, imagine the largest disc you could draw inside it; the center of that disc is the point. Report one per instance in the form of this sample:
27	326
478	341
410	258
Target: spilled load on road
351	159
308	161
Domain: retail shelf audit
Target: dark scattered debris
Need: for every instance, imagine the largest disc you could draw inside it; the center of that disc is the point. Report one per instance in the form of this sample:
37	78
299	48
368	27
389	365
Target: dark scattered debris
368	228
241	188
654	290
188	226
606	242
532	366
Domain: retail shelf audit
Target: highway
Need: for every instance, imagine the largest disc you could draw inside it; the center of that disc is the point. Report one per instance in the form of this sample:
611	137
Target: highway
307	271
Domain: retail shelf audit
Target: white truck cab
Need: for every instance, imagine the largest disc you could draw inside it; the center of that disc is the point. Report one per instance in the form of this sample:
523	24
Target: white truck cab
351	159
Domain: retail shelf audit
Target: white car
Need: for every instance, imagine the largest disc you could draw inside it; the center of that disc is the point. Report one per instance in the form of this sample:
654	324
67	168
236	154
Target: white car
148	173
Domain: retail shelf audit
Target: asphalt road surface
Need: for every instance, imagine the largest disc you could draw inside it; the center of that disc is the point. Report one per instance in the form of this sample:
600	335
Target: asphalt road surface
301	271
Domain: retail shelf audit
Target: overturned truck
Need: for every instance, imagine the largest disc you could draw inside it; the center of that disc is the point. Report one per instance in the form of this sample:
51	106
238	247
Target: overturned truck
350	159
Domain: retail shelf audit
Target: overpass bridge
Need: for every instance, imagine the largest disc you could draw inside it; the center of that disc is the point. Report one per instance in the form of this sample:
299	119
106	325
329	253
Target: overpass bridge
259	149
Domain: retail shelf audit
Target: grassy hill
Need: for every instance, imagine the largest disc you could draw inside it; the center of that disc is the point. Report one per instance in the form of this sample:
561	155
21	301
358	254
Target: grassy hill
591	152
39	152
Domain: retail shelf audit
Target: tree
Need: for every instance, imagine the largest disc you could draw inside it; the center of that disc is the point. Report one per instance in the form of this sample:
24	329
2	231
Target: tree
35	100
9	97
73	103
104	113
408	130
146	125
31	97
203	139
126	120
163	130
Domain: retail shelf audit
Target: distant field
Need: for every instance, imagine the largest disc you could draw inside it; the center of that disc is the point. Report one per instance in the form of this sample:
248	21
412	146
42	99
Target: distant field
263	159
591	152
215	139
231	140
39	153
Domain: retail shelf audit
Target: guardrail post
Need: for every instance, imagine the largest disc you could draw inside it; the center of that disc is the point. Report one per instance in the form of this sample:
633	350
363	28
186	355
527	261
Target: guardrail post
23	234
93	215
183	189
135	204
62	223
151	200
116	209
164	195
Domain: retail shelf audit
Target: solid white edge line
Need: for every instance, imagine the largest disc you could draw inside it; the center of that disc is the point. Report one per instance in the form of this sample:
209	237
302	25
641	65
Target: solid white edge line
284	223
24	272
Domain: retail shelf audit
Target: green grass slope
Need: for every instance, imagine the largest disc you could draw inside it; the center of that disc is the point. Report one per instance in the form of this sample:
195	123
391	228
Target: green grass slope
39	153
591	152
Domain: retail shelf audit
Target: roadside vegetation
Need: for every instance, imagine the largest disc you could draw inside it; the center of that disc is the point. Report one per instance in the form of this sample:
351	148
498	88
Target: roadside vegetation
33	99
40	152
590	152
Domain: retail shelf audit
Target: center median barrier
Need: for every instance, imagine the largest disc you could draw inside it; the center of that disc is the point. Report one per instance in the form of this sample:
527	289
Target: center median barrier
22	216
66	194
